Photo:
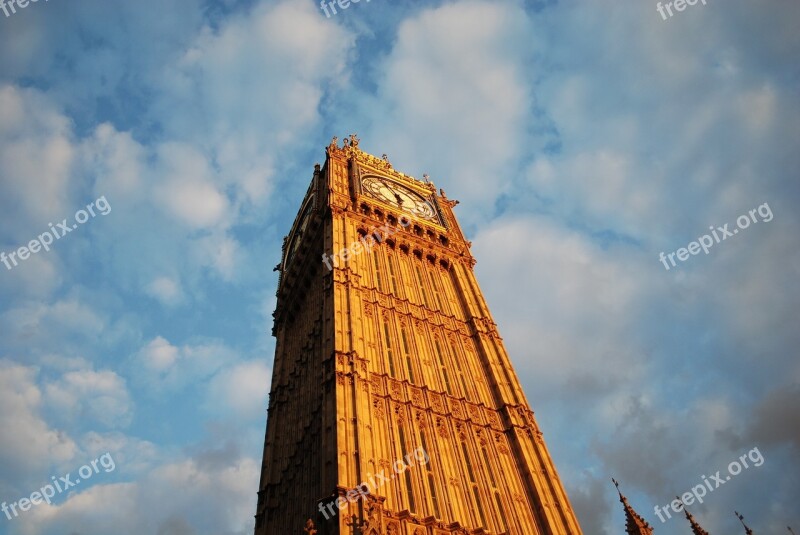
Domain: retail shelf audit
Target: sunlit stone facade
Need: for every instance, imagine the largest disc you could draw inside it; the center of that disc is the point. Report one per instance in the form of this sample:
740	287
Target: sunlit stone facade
387	348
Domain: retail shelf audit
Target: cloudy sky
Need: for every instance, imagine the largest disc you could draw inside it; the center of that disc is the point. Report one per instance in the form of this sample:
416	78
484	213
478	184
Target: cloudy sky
582	137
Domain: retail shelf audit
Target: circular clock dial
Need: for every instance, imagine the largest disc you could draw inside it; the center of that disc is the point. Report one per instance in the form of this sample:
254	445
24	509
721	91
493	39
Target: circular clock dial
399	196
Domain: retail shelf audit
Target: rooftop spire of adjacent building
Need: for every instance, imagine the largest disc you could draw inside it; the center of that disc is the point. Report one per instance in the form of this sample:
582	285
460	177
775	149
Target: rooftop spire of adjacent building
696	529
741	519
634	524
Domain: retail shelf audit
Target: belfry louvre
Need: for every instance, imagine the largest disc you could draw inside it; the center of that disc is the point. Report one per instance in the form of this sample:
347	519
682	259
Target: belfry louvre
385	352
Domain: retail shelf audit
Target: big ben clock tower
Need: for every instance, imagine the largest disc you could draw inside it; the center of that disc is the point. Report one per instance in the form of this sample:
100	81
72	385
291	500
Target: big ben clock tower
387	350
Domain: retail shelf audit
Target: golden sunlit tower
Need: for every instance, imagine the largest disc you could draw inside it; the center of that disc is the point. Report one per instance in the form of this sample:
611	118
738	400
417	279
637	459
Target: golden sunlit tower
385	352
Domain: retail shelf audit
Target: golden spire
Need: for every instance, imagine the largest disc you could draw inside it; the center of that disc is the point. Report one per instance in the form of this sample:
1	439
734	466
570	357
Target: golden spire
741	519
634	524
696	529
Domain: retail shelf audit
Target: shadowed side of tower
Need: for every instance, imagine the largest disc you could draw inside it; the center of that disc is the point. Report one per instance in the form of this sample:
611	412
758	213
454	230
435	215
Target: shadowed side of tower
387	356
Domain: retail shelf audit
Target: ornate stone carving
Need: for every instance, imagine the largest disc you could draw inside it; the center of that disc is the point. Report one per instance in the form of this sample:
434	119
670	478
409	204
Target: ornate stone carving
436	402
396	389
441	428
421	420
494	420
474	413
416	397
455	408
378	408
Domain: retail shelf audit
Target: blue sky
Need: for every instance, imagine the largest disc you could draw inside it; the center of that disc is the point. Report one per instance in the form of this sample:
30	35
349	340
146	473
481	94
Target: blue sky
582	137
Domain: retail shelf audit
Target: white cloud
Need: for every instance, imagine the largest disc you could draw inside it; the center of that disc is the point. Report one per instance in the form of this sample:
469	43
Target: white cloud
220	251
91	396
118	163
456	99
50	324
577	288
166	290
199	499
28	444
188	191
159	354
36	156
161	366
247	112
241	390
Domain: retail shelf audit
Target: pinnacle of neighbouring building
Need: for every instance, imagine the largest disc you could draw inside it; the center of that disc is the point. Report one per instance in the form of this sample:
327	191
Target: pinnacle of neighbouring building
634	523
696	529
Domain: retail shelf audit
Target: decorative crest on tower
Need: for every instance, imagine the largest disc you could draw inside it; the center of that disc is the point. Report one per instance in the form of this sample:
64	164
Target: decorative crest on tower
354	141
634	524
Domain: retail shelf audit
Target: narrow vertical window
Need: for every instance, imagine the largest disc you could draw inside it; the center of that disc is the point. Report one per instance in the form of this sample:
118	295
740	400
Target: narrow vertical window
431	478
443	367
468	461
407	353
480	506
460	371
436	292
389	353
489	468
393	274
501	509
422	286
434	497
377	264
407	473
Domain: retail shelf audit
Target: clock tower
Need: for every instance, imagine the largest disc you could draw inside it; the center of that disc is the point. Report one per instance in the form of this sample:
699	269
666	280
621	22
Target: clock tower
394	407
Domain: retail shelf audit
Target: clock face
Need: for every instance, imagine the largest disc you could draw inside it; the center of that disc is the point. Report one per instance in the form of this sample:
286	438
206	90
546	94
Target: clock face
400	196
